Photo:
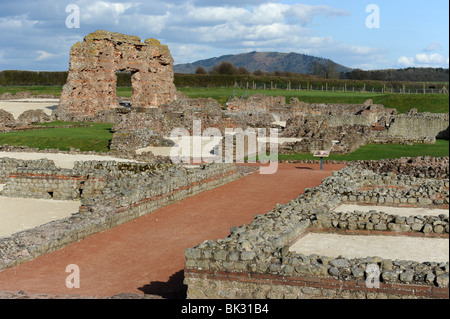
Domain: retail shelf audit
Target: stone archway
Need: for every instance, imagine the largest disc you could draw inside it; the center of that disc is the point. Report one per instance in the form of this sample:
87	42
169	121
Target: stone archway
91	83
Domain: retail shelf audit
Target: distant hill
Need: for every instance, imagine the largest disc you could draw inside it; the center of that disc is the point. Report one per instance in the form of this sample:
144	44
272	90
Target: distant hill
264	61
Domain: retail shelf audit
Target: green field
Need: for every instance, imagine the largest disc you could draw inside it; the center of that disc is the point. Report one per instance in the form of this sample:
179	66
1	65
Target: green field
434	103
384	151
94	138
53	90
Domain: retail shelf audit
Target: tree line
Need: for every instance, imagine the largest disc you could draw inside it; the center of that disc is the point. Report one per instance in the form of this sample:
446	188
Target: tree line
230	76
317	69
408	74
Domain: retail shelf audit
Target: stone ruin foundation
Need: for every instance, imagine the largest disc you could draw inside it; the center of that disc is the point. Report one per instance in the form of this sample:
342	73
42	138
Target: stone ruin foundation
111	193
340	128
260	260
91	83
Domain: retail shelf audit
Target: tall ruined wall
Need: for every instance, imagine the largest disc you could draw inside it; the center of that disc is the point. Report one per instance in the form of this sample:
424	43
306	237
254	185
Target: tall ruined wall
91	83
420	125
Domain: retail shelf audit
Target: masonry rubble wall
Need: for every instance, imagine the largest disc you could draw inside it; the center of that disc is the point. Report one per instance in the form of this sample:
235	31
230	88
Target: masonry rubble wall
10	165
126	140
126	191
322	124
6	120
255	261
419	125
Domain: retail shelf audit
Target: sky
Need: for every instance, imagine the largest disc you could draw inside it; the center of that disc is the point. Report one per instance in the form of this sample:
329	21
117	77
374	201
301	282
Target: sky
37	35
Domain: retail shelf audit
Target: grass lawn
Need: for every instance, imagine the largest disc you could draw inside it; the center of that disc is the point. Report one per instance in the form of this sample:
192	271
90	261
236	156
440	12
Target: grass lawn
94	138
54	90
434	103
384	151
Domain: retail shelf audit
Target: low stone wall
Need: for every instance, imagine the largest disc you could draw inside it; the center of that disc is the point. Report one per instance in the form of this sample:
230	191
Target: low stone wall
257	102
25	95
127	140
9	165
58	184
419	167
128	190
255	260
6	120
27	118
120	154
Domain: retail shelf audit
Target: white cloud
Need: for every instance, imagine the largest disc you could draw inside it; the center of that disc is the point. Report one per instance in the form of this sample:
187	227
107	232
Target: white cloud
269	13
10	22
434	58
423	60
101	11
187	53
16	22
215	15
433	47
405	61
43	55
304	12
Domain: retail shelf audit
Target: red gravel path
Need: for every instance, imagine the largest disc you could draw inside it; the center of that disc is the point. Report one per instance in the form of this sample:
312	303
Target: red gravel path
147	255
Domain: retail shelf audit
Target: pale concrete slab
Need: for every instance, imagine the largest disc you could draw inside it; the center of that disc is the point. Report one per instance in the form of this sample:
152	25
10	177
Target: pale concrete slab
387	247
17	107
400	211
61	160
18	214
